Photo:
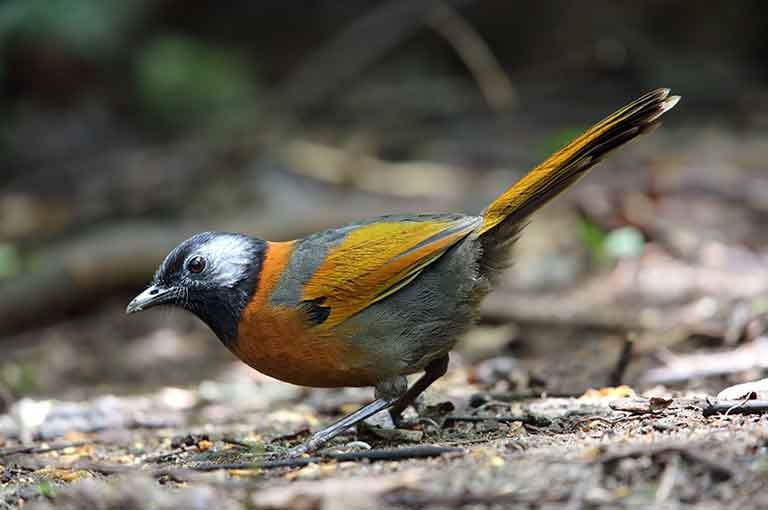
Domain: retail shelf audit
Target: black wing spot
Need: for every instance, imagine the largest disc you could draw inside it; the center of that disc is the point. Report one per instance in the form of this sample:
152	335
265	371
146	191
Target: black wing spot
313	309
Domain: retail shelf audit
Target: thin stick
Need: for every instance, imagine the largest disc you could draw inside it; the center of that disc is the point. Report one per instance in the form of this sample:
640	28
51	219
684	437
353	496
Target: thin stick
735	407
192	472
526	419
416	452
608	421
37	449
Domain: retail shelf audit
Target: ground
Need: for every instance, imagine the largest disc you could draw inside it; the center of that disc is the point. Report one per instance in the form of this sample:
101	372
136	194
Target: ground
157	447
585	383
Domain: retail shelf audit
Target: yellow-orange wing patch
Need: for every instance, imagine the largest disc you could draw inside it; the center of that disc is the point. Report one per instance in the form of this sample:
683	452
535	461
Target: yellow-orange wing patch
378	259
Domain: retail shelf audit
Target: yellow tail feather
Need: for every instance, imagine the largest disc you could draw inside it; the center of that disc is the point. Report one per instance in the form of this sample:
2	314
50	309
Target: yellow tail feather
570	163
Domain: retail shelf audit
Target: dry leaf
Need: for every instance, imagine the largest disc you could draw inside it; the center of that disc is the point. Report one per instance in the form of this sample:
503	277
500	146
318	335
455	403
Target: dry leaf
658	403
640	405
516	429
611	393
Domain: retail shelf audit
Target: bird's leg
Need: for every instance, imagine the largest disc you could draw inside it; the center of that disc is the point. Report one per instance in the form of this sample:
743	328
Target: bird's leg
432	372
321	437
387	393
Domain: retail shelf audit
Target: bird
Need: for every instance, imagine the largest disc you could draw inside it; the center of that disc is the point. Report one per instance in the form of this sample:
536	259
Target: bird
371	302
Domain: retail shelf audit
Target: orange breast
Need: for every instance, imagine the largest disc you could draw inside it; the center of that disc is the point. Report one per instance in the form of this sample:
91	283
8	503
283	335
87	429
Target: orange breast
275	341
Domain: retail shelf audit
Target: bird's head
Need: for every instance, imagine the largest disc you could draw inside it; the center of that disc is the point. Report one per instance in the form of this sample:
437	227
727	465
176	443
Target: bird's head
212	274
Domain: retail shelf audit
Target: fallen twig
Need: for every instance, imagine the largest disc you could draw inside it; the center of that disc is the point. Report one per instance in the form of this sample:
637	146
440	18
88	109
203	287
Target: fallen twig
526	419
637	405
38	449
181	474
479	440
609	421
518	396
735	407
416	452
537	430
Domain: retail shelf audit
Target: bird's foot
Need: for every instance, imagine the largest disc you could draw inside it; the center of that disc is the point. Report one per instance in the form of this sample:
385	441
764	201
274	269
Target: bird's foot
405	419
321	437
314	443
301	449
424	416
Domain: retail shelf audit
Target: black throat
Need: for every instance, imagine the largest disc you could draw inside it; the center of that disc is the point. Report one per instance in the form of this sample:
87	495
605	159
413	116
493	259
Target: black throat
221	308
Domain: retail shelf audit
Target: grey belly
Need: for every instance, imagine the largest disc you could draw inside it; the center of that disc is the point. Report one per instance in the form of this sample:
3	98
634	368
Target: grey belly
422	321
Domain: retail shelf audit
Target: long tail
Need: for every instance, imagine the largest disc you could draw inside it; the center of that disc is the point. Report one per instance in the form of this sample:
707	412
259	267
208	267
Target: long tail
504	218
572	162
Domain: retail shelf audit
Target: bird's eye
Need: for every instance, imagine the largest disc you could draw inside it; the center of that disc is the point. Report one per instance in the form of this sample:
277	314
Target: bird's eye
196	265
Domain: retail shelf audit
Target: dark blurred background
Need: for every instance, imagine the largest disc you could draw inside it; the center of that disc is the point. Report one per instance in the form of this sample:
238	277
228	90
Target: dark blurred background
127	126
